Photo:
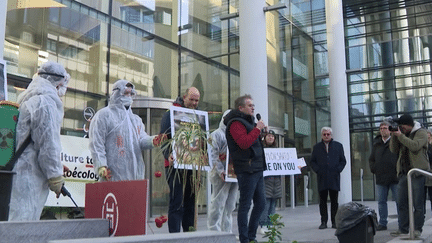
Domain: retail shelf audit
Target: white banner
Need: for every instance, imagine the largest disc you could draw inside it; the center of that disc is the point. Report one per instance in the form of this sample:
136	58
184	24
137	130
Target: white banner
77	157
279	161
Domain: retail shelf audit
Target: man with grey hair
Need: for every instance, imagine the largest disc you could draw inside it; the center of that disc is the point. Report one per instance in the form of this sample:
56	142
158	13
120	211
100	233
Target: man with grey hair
328	161
382	163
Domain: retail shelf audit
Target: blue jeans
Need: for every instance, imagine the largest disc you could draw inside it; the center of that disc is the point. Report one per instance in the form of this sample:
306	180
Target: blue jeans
382	194
270	208
251	186
418	203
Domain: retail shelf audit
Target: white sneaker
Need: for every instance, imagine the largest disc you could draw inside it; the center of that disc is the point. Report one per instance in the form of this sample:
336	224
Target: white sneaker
263	230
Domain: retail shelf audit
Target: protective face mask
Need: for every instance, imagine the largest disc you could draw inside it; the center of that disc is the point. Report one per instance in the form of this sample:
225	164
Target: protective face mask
61	90
126	100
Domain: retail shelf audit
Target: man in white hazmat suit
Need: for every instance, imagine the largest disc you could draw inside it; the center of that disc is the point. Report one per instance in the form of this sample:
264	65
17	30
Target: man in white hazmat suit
117	137
39	169
224	195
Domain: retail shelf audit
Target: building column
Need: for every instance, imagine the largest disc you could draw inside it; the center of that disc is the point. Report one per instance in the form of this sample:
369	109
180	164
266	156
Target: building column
253	55
338	89
3	12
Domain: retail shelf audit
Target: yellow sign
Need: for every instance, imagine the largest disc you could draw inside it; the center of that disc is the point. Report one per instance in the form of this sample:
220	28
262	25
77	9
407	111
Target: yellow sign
21	4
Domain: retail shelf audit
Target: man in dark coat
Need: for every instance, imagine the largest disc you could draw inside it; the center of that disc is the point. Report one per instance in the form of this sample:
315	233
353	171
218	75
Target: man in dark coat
328	161
382	163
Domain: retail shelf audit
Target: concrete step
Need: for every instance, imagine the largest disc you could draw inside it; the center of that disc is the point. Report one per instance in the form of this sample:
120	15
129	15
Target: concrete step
46	230
426	236
188	237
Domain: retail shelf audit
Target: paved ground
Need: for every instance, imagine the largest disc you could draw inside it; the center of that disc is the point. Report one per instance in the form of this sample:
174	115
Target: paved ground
301	225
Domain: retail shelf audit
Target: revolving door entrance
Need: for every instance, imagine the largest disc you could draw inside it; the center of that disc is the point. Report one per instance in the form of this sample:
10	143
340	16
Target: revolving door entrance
151	111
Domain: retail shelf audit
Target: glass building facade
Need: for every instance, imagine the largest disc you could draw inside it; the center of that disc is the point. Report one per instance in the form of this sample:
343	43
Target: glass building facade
388	72
166	46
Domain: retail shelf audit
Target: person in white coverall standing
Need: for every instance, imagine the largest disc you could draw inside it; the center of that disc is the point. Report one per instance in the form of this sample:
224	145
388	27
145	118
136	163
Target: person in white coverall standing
39	169
117	137
224	195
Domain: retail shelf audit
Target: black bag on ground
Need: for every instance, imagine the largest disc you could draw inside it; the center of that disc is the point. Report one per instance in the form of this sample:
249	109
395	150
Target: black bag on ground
351	214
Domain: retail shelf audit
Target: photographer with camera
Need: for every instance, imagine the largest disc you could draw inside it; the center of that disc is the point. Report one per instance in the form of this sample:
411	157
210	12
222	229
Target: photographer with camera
382	163
410	143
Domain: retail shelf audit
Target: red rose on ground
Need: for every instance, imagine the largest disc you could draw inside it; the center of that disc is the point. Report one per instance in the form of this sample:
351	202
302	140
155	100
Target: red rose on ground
160	221
158	174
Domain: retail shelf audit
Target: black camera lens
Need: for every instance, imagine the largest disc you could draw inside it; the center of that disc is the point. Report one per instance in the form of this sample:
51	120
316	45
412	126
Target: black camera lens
393	128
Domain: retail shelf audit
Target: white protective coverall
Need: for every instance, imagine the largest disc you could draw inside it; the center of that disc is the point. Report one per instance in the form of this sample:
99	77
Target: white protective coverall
117	138
41	115
224	195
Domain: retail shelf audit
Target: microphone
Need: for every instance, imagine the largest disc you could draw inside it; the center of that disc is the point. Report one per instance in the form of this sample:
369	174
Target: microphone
258	117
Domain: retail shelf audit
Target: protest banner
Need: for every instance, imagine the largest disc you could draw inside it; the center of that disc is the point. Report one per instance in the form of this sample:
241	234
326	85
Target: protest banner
76	156
189	126
279	161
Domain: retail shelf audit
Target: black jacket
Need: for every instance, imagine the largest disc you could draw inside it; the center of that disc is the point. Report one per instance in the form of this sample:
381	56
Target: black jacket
328	166
382	162
248	160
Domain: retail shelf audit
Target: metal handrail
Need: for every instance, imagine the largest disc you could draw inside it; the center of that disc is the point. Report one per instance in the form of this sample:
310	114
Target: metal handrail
410	199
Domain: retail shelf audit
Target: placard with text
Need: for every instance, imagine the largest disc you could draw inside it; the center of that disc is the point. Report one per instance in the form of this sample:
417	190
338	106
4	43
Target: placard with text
279	161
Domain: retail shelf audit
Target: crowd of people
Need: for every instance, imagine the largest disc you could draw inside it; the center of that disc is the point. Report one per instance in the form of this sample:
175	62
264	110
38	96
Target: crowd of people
117	138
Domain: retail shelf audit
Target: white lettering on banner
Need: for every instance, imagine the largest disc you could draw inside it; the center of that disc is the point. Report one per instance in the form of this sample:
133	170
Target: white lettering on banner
281	161
110	212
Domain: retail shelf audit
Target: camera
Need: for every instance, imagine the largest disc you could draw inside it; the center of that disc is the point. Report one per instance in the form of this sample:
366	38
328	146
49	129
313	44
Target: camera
394	126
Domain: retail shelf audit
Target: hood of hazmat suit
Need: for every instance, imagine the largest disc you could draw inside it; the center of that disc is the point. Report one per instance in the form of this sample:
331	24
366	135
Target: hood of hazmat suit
219	146
117	136
41	115
224	195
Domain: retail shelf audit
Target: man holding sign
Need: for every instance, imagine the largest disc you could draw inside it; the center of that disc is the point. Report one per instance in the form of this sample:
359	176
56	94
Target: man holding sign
328	161
181	210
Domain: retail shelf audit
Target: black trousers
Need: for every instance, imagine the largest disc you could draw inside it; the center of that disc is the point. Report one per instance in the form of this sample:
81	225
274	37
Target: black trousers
333	205
181	211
